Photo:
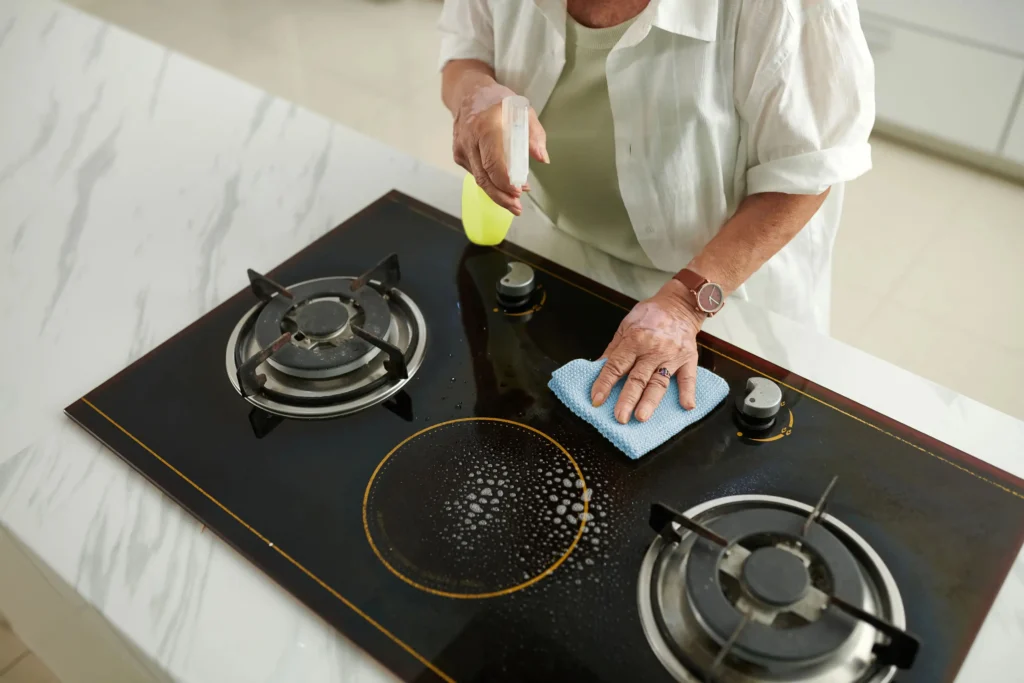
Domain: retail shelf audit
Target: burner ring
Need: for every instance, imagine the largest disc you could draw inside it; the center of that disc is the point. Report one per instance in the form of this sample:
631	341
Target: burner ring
316	355
432	562
760	642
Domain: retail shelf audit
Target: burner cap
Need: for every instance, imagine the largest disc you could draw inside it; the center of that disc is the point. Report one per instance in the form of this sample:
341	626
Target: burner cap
321	319
324	311
776	576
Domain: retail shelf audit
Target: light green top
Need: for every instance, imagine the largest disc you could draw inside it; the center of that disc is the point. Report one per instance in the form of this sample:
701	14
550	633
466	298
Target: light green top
579	189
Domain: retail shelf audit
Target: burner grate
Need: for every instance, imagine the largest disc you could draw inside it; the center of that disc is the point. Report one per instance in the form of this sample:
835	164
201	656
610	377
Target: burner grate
326	347
775	589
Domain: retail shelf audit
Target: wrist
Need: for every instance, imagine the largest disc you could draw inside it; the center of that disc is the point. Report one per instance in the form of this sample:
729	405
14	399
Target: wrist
683	302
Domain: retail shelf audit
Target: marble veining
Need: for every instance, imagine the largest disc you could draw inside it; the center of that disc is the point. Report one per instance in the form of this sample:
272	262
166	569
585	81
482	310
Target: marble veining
136	187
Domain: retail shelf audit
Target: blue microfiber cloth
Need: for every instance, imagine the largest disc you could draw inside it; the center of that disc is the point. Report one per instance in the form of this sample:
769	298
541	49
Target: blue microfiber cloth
572	382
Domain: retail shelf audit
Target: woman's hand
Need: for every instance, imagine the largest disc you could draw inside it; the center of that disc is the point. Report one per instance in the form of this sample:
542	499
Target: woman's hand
655	341
479	145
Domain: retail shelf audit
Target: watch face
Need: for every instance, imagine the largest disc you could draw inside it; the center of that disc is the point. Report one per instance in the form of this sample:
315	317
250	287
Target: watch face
710	298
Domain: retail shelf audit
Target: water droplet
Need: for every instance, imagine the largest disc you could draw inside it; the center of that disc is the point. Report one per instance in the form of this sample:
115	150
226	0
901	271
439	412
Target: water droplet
453	379
587	494
560	509
589	561
566	501
475	508
501	482
603	513
482	522
567	483
471	496
579	483
577	507
500	493
486	491
488	515
571	518
479	481
491	482
554	498
596	541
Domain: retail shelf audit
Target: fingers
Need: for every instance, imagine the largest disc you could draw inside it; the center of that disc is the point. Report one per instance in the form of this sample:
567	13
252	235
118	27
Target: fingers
483	179
538	139
637	381
653	393
686	378
618	364
492	165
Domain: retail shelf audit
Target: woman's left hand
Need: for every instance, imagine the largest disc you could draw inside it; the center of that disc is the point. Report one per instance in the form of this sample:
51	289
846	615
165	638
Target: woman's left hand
656	340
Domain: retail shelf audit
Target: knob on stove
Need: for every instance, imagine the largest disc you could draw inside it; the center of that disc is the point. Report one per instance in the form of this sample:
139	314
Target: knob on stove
757	407
516	286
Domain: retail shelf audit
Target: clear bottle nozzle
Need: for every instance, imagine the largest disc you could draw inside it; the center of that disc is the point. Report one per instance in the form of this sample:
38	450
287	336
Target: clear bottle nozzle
515	118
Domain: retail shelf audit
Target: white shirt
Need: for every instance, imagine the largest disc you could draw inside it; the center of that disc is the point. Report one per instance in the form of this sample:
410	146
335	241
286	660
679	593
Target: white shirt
712	100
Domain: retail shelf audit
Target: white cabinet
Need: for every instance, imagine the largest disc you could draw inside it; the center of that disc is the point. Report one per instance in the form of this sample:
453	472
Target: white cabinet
996	24
948	89
1014	150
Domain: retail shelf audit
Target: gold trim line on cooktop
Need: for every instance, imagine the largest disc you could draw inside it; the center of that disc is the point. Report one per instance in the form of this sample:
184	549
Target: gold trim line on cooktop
423	660
491	594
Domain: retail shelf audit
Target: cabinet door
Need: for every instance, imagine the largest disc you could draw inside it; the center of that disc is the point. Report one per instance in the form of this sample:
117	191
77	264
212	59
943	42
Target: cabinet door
1014	149
956	92
995	23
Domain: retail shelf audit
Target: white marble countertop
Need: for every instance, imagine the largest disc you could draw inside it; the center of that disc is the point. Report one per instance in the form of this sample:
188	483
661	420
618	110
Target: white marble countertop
136	187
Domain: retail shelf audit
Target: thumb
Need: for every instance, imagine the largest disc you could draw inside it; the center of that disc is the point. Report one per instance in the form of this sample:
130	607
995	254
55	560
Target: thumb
538	139
686	378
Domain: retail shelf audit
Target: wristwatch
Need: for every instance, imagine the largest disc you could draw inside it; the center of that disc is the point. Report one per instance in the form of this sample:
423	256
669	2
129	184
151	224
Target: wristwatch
709	296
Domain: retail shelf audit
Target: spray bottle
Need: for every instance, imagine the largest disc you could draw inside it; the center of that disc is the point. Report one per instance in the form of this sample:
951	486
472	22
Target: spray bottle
485	222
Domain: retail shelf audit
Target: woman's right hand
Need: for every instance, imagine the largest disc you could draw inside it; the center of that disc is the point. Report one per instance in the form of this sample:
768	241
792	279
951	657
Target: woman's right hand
478	142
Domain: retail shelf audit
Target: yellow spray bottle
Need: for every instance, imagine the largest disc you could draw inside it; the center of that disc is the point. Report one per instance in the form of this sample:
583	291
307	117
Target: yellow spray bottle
485	222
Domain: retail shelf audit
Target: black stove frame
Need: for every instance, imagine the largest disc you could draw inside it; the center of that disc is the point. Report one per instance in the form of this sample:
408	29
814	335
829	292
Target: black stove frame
290	502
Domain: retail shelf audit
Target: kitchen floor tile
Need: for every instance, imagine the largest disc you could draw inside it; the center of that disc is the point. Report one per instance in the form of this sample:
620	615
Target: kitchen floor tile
893	212
971	275
29	670
965	360
11	647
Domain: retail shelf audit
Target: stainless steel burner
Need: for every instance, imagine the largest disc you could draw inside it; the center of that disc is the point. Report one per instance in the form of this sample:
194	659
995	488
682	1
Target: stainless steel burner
764	597
325	370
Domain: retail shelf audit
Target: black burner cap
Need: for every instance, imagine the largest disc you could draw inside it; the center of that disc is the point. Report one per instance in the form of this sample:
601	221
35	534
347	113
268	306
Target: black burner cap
319	319
775	576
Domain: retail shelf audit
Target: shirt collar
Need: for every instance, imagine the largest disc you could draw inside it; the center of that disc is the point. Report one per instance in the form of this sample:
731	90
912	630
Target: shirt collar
694	18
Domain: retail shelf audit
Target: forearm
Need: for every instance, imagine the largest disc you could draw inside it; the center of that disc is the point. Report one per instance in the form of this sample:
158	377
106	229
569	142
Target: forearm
460	77
762	225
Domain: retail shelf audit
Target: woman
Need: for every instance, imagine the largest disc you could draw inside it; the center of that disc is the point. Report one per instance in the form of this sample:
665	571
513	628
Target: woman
705	138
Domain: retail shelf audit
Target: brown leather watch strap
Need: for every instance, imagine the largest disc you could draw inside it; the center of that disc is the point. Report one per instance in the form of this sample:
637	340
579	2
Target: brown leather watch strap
691	280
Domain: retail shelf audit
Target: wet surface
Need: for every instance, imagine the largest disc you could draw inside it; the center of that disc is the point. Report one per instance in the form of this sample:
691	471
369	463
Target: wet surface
945	524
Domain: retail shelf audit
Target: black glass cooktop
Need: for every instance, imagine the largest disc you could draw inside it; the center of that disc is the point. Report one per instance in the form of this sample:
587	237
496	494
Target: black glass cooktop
365	517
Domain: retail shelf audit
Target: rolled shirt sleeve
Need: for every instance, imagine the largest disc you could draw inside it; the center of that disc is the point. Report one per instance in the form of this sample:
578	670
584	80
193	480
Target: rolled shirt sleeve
467	31
805	89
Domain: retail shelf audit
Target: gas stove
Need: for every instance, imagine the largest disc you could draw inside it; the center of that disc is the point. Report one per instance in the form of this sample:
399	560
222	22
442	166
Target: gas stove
369	424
